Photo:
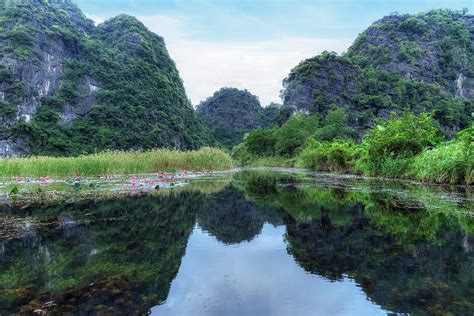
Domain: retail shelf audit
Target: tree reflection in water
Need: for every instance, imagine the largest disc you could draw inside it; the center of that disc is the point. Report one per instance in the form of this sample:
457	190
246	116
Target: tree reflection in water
409	253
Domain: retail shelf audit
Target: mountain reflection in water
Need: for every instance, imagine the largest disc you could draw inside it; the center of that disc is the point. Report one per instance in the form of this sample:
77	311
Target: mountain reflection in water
265	242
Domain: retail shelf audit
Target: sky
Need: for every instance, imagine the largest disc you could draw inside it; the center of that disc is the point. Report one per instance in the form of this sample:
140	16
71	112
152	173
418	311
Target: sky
253	44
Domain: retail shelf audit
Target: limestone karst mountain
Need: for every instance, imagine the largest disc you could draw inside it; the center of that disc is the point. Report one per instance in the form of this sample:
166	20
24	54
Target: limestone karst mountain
231	113
423	63
69	87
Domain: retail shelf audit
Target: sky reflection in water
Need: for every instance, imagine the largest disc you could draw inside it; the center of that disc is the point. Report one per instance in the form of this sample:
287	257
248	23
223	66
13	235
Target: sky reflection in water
256	278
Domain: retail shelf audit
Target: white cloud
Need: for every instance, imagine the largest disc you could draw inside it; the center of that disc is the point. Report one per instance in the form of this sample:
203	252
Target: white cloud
165	26
97	19
258	66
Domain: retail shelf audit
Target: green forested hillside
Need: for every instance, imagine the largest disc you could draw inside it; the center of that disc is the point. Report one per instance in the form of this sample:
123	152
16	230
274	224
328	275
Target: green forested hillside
423	63
231	113
69	87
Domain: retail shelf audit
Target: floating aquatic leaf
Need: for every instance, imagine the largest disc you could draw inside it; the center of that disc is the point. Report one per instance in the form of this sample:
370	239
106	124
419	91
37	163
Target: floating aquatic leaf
77	186
15	190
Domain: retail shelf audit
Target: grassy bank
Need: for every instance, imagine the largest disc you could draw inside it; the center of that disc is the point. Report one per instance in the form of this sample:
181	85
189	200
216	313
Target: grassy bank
116	162
404	147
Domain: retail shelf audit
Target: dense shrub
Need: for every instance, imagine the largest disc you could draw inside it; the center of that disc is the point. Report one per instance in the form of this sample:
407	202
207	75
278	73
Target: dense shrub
401	136
335	125
7	110
261	142
401	147
293	134
392	143
449	163
337	156
413	25
241	155
20	35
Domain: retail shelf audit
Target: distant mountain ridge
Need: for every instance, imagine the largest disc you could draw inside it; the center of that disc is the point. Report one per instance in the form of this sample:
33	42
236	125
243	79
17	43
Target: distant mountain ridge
231	113
68	87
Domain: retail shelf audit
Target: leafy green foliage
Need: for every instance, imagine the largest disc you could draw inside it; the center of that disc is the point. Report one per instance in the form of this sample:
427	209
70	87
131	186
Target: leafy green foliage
261	142
20	35
413	25
449	163
7	110
409	51
335	125
392	143
292	135
337	156
405	146
288	139
405	136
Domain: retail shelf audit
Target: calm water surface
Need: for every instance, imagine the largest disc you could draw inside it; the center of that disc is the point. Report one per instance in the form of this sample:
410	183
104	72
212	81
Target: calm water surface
248	243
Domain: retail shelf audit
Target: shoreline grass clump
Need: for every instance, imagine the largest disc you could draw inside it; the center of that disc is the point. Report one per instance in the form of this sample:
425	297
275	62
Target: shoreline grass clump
451	162
338	156
117	162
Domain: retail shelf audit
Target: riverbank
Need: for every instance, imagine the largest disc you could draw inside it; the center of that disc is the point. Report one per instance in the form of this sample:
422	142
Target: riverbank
404	147
117	162
443	169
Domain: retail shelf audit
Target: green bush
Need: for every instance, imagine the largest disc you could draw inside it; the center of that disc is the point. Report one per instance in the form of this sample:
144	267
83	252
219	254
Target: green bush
337	156
401	136
293	134
409	51
449	163
241	155
335	125
392	143
20	35
261	142
413	25
7	110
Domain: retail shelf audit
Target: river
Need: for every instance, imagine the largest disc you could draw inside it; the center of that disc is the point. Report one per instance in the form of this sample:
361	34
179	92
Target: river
248	242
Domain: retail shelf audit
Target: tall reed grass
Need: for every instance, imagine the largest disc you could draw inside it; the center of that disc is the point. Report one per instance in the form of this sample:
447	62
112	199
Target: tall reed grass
273	161
117	162
450	163
338	156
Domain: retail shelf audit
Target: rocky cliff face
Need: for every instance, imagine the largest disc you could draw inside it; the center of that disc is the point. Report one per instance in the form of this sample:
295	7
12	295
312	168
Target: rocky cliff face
32	61
68	87
422	63
232	112
434	47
